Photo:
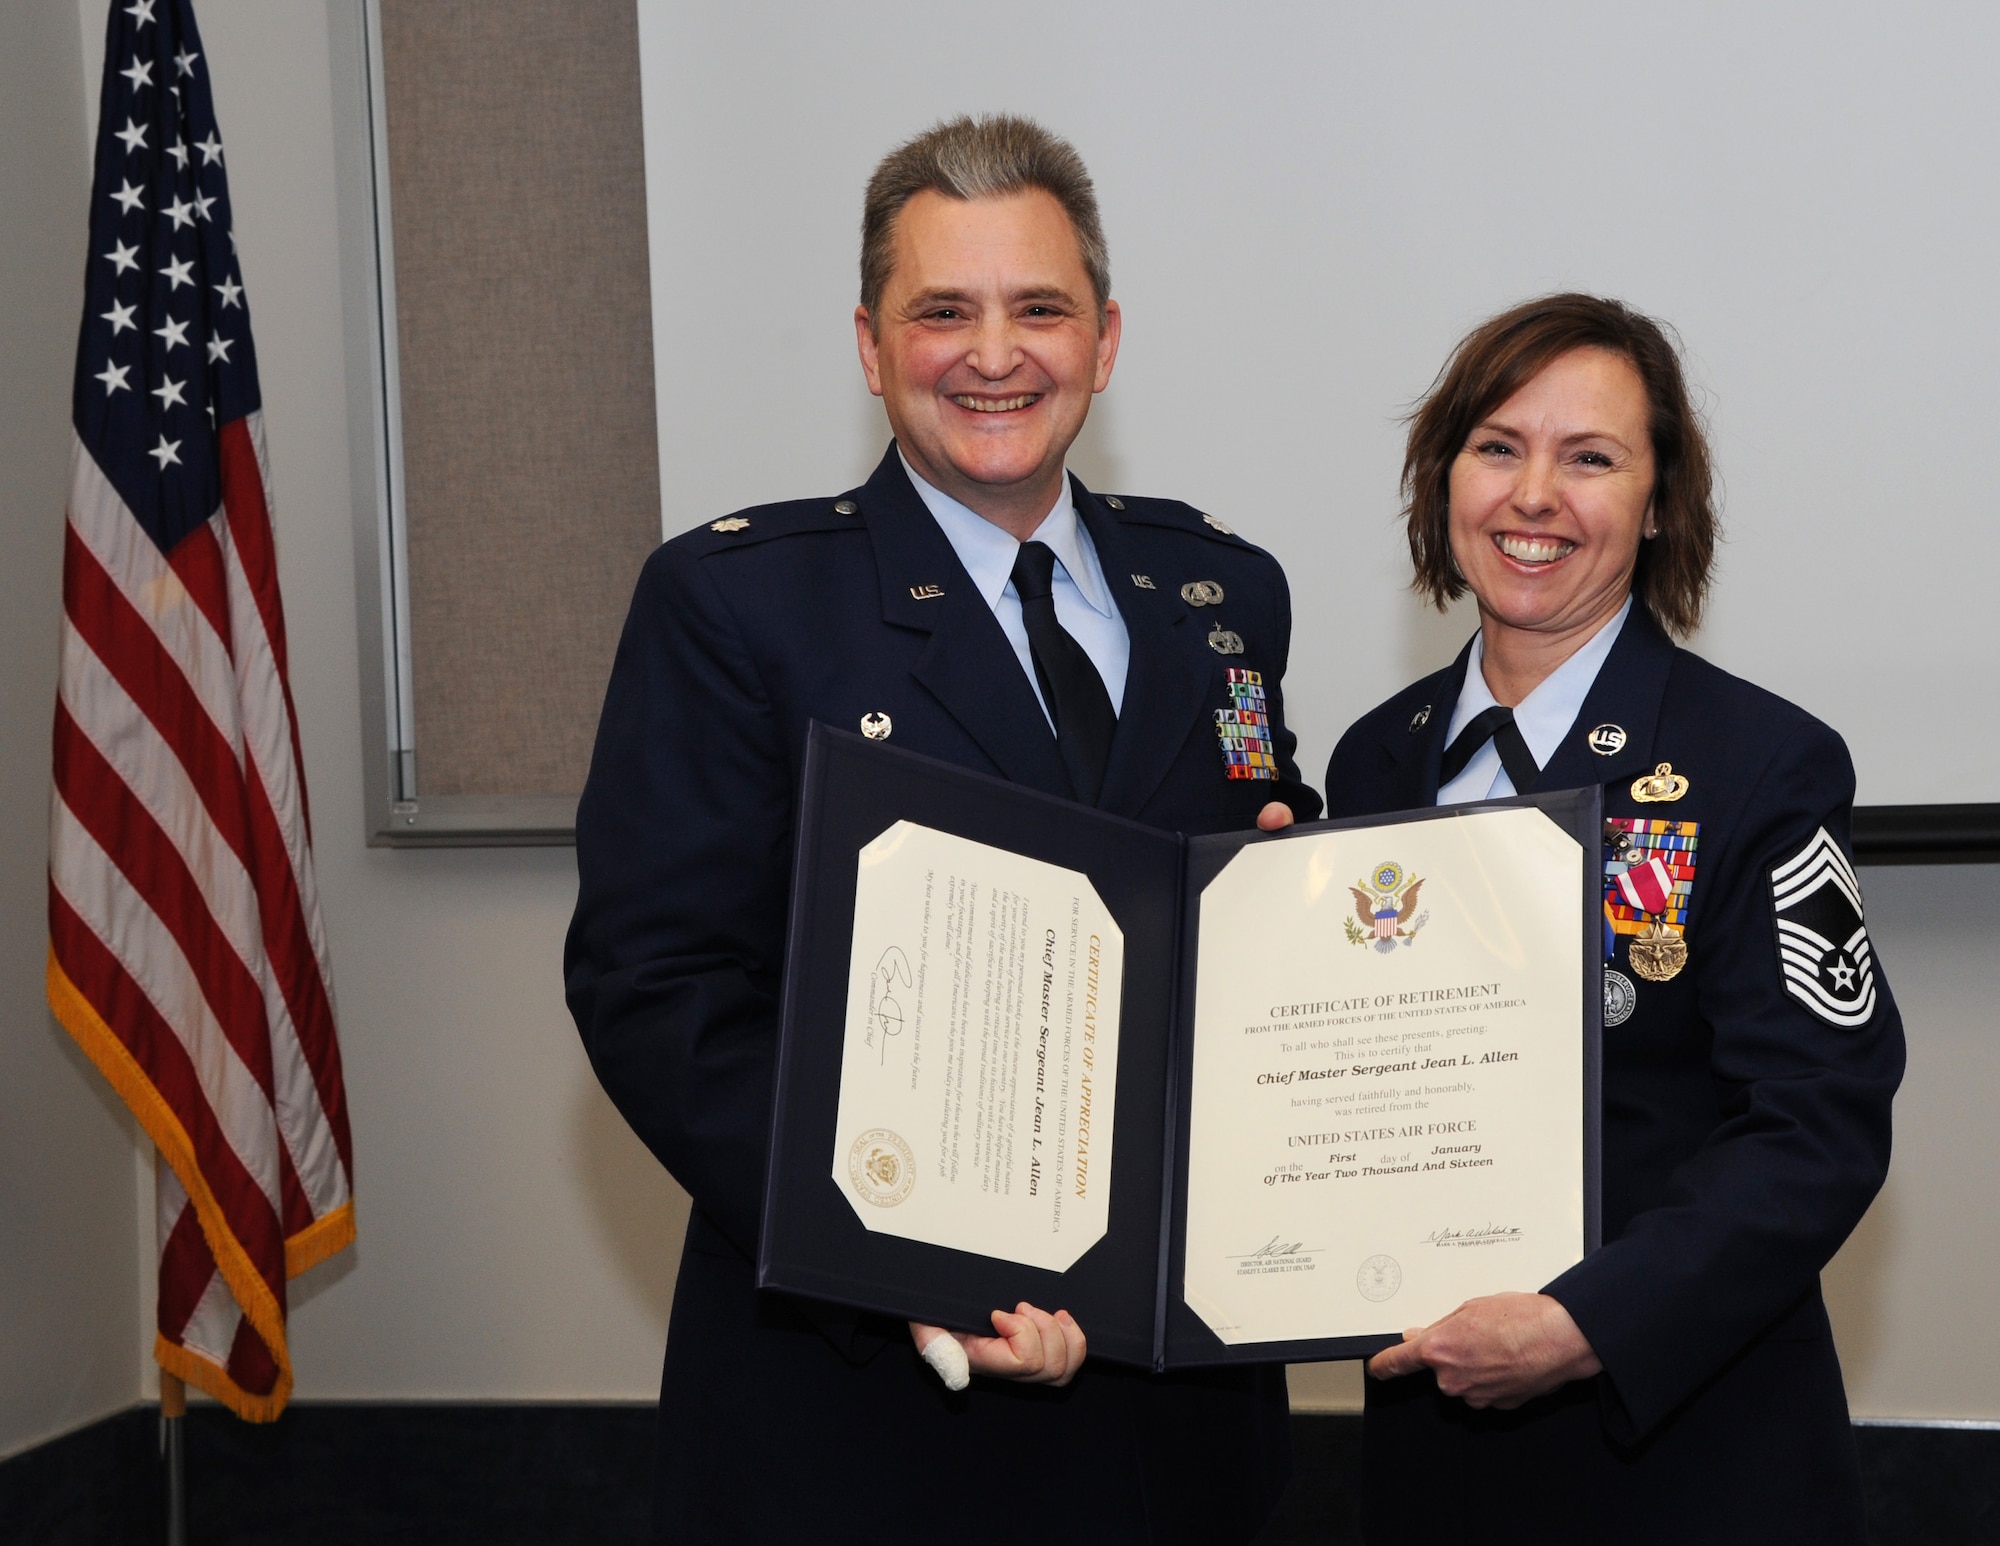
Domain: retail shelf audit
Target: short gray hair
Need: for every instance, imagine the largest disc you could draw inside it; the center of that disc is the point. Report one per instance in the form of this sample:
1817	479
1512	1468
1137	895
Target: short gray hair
980	158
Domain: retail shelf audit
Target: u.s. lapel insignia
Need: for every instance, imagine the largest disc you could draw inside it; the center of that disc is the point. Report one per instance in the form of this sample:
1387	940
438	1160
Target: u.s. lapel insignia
1144	582
1659	786
1244	728
1607	740
1386	908
1648	879
1202	593
1823	949
1225	641
729	523
926	592
875	726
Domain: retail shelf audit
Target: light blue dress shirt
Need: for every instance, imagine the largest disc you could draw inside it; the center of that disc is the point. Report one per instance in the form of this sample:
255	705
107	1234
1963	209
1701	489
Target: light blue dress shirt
1543	717
1083	600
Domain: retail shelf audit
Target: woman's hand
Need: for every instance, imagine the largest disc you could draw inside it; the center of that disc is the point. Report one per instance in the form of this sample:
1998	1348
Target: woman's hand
1033	1346
1274	817
1498	1351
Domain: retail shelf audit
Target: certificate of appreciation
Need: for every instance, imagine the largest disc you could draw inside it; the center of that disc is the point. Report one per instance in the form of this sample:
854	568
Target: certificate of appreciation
1387	1076
982	1002
1348	1072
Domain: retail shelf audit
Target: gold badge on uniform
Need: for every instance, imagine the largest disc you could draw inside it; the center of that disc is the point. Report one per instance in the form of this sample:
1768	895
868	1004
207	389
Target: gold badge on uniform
729	523
1660	785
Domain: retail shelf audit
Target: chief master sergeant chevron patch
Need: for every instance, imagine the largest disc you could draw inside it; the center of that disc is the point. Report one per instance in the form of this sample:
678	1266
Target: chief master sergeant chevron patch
1823	946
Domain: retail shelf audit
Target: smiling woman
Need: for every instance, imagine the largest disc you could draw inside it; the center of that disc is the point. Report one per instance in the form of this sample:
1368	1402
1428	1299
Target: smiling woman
1680	1383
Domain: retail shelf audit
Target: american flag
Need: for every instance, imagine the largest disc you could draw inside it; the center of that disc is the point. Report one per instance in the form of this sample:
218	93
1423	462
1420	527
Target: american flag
186	952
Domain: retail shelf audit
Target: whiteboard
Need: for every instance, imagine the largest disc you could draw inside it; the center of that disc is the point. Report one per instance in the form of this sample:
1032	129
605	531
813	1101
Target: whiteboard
1308	204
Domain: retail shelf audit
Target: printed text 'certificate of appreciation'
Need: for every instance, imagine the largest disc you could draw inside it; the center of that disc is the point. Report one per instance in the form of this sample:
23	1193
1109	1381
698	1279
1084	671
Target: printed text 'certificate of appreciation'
1386	1117
981	1048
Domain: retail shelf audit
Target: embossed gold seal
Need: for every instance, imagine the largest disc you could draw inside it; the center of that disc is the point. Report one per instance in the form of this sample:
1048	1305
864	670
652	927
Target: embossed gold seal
881	1167
1662	784
1658	955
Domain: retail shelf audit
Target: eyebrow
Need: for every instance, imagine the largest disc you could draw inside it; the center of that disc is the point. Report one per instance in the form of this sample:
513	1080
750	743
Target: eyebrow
1499	427
950	297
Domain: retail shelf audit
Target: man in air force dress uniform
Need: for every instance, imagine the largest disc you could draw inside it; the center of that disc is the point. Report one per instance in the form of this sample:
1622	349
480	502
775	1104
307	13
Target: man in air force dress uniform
975	603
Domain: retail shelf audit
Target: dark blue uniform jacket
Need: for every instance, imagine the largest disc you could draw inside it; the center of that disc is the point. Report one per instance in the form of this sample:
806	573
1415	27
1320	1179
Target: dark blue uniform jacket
1746	1128
780	1420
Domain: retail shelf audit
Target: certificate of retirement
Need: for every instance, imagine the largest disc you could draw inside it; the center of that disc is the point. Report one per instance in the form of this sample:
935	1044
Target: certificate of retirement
980	1050
1387	1076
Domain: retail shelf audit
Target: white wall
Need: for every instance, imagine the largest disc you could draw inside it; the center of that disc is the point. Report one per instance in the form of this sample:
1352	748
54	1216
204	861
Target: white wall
515	1240
69	1276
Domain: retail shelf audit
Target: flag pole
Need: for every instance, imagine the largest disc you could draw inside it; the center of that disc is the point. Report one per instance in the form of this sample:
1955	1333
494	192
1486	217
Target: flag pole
173	1416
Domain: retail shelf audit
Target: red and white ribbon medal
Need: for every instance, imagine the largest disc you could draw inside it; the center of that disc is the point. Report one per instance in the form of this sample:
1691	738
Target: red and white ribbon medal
1648	887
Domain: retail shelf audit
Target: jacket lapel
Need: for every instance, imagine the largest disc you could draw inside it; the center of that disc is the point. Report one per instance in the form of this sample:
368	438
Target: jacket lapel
1626	697
968	666
1166	684
1416	746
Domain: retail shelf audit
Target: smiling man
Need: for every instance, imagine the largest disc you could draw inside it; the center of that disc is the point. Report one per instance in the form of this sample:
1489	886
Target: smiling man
972	601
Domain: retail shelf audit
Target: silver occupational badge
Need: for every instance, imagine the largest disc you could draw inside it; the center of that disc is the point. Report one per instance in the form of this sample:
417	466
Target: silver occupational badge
1607	740
1225	641
875	726
1202	593
1620	997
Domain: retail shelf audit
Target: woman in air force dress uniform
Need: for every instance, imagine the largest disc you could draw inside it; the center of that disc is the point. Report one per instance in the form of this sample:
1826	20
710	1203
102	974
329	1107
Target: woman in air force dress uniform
1680	1384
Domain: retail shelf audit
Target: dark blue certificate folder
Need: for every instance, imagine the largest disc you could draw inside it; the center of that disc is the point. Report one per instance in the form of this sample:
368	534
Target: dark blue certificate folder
1125	1290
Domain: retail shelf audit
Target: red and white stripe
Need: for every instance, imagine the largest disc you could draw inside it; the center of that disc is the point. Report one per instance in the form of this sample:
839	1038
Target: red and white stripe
187	952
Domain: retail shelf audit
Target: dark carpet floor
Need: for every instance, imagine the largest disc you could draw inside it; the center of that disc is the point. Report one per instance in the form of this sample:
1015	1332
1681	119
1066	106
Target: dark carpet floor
552	1475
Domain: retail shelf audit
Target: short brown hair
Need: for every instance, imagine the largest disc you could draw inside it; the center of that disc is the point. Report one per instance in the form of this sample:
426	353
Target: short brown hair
980	158
1502	355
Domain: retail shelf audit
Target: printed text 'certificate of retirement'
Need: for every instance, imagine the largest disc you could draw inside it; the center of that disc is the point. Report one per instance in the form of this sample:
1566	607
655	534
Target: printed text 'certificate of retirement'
1387	1110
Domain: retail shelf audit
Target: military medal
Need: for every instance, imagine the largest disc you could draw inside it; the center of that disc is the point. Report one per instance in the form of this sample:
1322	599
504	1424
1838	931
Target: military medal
1659	953
1648	877
1660	785
1619	997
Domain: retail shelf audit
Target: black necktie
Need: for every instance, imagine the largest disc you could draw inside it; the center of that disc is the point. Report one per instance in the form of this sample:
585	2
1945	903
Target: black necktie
1071	686
1496	725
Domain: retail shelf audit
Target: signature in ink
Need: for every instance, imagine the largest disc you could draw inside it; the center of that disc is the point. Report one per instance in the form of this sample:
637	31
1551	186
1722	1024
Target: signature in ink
891	972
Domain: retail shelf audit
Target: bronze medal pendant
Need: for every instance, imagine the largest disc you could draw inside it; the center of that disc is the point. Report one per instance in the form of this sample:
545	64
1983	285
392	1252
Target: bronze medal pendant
1658	955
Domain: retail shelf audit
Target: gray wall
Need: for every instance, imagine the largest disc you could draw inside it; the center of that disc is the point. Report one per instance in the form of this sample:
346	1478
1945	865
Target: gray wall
515	1240
69	1276
1309	203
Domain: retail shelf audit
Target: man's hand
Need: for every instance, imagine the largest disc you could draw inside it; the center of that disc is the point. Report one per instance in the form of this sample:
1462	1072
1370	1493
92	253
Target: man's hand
1498	1351
1274	817
1033	1346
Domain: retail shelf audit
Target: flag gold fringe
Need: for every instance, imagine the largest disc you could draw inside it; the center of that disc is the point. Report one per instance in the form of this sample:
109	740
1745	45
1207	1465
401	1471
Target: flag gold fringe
307	1249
